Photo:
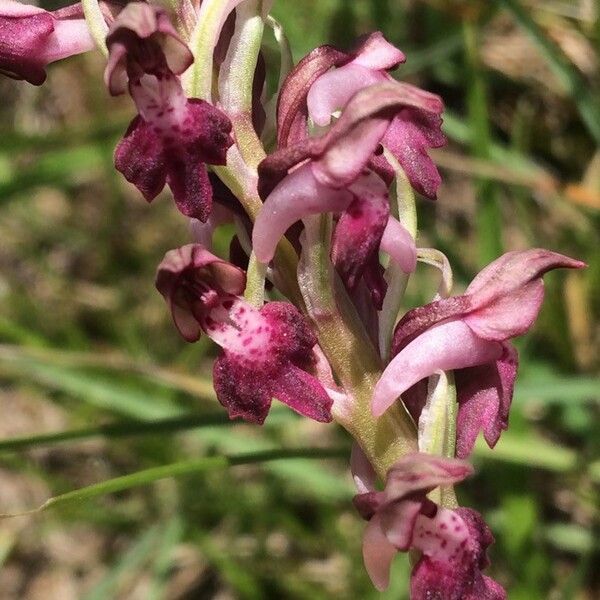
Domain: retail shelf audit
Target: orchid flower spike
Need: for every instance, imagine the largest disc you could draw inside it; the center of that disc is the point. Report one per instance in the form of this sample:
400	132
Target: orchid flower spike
267	352
470	334
400	518
173	137
31	38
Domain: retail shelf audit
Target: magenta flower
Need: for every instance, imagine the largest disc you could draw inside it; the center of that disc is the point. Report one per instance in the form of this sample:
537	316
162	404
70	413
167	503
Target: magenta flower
267	352
336	178
325	81
452	543
470	334
31	38
172	137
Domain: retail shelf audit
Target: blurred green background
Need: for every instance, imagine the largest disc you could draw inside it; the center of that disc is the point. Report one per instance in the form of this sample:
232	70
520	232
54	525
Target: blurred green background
86	341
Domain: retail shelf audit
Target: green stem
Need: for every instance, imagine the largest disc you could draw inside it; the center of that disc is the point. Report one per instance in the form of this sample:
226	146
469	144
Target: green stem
96	24
255	282
396	279
350	353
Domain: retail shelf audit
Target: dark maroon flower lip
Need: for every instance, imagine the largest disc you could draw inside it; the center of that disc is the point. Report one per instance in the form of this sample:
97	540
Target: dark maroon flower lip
266	356
267	352
173	137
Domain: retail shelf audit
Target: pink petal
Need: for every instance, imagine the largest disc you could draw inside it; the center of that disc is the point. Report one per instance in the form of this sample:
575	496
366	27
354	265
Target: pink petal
449	345
508	315
297	196
31	38
400	245
419	319
484	396
418	473
10	8
398	521
350	143
291	107
377	53
349	146
331	91
408	138
508	293
348	154
23	38
513	269
358	232
70	37
378	554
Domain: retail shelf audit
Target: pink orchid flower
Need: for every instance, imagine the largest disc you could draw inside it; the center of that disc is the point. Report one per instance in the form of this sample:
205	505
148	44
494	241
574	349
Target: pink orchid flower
470	334
331	174
325	80
173	136
452	543
31	38
267	352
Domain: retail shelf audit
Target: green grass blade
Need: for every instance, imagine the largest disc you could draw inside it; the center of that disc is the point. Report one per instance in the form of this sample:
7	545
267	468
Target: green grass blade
119	430
180	469
584	98
96	390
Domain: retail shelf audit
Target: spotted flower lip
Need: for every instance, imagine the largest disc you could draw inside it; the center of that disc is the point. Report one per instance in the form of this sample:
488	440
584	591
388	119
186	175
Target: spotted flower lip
192	281
173	137
452	543
31	38
470	334
267	353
